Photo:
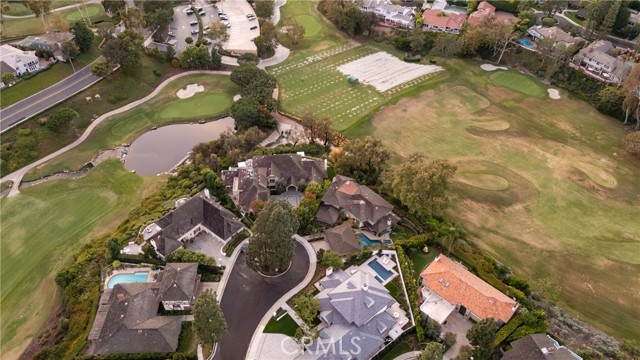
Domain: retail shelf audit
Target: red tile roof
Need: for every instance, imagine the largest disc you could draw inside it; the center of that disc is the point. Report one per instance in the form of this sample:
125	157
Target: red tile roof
451	281
438	18
486	10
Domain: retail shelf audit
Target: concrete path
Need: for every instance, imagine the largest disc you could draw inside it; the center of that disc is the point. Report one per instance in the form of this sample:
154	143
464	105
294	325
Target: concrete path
408	356
44	99
63	8
17	176
253	353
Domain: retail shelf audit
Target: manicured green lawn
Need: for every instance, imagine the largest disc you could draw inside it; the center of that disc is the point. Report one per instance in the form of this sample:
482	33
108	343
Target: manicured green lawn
518	82
16	28
420	260
397	350
42	227
46	78
163	109
572	15
93	11
286	326
393	289
544	185
18	9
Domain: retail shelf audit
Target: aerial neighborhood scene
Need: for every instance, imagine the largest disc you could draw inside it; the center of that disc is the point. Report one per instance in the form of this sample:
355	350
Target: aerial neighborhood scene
320	179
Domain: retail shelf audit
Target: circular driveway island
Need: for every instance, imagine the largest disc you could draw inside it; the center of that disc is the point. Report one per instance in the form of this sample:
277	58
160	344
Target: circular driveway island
248	296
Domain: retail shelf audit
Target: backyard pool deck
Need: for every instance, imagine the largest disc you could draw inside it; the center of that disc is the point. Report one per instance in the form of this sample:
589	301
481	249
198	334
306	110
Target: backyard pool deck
151	274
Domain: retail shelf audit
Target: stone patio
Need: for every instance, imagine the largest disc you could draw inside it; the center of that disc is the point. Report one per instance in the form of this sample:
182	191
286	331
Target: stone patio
207	244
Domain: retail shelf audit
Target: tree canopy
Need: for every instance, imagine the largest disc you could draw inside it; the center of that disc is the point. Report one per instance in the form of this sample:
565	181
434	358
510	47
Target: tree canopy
60	119
208	319
264	8
157	17
186	255
332	259
125	50
363	160
432	351
195	57
421	184
82	36
481	336
307	307
270	249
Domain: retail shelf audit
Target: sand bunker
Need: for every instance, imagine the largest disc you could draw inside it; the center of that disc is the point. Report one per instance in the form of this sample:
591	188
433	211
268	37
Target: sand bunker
189	91
489	67
554	94
597	175
237	97
384	71
483	181
495	125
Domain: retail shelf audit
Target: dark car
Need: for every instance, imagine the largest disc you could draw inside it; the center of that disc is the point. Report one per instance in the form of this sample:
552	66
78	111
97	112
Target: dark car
253	27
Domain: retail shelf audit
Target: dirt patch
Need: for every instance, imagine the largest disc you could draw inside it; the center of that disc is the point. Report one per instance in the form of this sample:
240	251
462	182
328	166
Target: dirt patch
597	175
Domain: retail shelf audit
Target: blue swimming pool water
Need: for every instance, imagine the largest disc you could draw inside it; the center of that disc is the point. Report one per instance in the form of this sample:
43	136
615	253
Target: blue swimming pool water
127	278
383	273
365	241
525	42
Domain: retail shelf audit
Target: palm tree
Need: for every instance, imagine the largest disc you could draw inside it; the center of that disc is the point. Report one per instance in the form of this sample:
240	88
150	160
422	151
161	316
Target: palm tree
455	233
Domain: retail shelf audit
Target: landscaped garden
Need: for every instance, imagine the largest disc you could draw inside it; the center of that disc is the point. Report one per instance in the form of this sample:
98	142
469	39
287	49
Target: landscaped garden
68	213
530	171
165	108
286	325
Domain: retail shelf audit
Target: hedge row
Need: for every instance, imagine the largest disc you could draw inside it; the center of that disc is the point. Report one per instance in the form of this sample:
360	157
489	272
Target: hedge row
412	288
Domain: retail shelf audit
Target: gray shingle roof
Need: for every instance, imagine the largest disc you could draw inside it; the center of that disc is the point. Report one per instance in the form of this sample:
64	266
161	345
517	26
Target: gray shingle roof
531	347
342	239
360	297
179	282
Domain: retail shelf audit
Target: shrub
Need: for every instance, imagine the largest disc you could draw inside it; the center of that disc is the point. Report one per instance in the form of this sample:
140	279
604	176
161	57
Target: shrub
548	22
116	97
520	284
449	339
60	120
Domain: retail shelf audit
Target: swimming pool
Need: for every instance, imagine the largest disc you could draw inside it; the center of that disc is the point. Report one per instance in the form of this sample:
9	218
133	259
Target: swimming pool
127	278
383	273
525	42
365	241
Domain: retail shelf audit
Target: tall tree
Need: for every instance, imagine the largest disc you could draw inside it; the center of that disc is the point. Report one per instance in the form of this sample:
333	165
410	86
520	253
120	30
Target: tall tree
216	59
332	259
208	319
446	45
106	30
157	17
264	8
115	7
630	88
421	184
58	23
132	44
305	213
218	34
292	31
40	8
82	36
101	68
70	50
133	18
610	18
481	336
195	57
432	351
307	307
363	160
632	143
551	7
268	39
596	12
271	247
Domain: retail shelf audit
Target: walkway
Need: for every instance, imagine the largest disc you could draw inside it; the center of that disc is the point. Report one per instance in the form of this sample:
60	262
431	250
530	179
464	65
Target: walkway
408	356
63	8
258	333
17	176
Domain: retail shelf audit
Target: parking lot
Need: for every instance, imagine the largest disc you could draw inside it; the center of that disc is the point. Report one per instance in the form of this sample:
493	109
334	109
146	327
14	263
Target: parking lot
181	25
240	34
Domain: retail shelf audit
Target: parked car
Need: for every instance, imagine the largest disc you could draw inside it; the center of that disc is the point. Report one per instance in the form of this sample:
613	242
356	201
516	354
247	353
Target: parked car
220	13
253	27
207	28
194	32
224	17
199	8
189	12
249	16
193	23
251	19
171	33
202	13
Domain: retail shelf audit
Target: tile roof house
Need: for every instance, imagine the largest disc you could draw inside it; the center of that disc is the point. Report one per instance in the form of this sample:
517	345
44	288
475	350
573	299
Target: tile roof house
358	202
448	286
256	178
355	315
538	347
538	32
596	59
486	10
342	239
200	213
18	61
127	320
390	13
438	20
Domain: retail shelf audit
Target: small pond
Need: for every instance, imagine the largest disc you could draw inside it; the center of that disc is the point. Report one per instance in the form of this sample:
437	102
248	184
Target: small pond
158	151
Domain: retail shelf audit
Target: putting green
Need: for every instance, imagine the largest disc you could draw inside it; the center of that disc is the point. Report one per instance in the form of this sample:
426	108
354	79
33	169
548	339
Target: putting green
89	10
202	104
521	83
311	25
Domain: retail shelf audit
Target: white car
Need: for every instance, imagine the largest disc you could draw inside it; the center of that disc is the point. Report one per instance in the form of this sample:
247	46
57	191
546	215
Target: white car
193	23
171	33
194	32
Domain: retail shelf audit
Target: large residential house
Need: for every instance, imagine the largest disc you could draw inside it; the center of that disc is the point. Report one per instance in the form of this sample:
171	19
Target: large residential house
358	202
190	217
395	15
357	317
538	347
127	320
259	177
447	286
342	239
51	42
17	61
538	32
438	20
486	10
595	59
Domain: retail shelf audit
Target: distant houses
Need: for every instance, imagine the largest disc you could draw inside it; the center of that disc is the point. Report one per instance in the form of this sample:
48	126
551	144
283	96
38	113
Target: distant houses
488	11
555	33
190	217
127	320
538	347
264	177
437	20
595	60
18	62
51	43
391	14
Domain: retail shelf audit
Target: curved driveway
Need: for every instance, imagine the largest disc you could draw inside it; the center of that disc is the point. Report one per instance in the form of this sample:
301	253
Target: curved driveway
248	299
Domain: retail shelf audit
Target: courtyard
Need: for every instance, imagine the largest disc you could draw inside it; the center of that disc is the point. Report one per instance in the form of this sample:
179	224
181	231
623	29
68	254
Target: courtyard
209	245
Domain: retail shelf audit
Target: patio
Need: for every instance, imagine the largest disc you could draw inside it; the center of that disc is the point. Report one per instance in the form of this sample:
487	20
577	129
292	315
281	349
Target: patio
459	325
208	245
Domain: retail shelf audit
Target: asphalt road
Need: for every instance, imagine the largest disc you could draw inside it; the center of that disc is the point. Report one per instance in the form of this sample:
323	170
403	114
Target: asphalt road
37	103
248	296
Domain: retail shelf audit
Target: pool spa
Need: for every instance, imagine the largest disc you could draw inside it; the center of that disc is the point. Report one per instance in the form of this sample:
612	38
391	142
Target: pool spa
365	241
127	278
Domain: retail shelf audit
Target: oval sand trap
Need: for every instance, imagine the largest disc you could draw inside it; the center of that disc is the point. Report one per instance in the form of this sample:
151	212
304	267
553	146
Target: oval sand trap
483	181
489	67
597	175
554	94
495	125
189	91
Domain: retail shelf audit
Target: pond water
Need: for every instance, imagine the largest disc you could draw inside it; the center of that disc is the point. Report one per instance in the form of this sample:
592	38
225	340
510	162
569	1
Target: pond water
158	151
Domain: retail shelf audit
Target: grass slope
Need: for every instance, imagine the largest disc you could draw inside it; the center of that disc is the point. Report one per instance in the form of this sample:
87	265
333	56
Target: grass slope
17	28
41	227
539	185
165	108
